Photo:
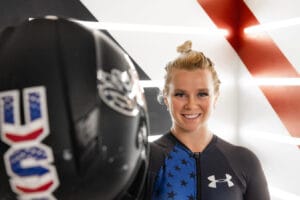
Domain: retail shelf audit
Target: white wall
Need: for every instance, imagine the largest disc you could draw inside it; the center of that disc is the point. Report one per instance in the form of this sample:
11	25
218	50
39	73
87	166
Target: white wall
260	126
244	115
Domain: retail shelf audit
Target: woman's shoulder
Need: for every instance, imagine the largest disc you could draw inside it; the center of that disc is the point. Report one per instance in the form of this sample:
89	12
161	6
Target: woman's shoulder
165	141
159	150
237	153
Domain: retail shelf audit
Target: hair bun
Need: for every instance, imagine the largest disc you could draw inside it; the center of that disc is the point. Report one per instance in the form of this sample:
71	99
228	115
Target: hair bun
185	47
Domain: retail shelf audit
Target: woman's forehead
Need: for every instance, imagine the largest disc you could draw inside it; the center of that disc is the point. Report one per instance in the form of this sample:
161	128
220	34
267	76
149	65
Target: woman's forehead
191	79
199	75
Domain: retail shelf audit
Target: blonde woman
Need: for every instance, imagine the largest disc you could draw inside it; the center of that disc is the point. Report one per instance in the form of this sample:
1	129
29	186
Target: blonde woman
190	162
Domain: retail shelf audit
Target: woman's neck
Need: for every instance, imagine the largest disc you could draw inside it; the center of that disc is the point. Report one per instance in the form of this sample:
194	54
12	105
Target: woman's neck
195	141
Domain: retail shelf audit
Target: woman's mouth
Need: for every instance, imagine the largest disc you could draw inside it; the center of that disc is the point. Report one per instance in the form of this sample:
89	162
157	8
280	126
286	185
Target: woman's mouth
191	116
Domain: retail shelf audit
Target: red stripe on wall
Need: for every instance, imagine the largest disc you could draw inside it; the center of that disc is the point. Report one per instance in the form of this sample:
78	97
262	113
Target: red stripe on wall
261	56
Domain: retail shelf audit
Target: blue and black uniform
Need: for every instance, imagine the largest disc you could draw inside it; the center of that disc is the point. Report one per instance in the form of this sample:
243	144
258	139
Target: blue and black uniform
221	172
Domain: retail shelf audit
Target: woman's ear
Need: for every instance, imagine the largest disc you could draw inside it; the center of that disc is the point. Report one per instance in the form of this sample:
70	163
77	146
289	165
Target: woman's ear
166	101
216	99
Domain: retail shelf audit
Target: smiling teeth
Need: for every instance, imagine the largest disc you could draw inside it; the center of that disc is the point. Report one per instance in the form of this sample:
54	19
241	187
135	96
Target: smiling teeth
191	116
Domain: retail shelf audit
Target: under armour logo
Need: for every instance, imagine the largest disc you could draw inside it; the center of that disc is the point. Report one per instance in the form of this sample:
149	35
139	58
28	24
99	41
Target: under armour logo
214	181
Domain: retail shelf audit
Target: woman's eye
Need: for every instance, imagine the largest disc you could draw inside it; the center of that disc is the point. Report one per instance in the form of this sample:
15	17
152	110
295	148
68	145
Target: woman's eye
202	94
179	94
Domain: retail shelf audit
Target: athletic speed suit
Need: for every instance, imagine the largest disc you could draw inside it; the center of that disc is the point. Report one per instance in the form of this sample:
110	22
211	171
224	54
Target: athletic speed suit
221	172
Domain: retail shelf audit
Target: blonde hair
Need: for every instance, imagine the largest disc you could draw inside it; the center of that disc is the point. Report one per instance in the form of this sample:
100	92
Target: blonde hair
190	60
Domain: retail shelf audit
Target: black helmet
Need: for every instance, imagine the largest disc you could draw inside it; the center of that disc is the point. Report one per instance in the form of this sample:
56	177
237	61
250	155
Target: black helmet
73	119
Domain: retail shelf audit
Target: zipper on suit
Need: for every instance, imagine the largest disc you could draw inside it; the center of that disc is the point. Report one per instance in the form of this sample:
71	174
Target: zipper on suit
198	175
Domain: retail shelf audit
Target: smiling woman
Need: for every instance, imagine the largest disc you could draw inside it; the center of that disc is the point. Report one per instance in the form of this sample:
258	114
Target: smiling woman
190	162
191	99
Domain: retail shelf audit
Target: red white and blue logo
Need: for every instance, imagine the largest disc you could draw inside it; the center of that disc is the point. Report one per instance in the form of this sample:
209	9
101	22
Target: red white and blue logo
36	122
28	161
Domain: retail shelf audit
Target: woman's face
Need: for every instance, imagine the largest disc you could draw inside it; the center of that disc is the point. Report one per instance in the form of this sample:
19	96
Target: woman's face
191	99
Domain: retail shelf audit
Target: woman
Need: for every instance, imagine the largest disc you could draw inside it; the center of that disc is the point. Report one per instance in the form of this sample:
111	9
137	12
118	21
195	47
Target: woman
190	162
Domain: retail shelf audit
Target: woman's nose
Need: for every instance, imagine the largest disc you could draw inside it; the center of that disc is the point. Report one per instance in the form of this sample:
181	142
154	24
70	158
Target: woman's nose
191	103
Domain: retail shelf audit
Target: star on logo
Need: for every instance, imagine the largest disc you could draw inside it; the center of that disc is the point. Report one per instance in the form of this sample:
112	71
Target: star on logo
184	162
177	168
171	195
183	183
170	175
169	184
192	175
